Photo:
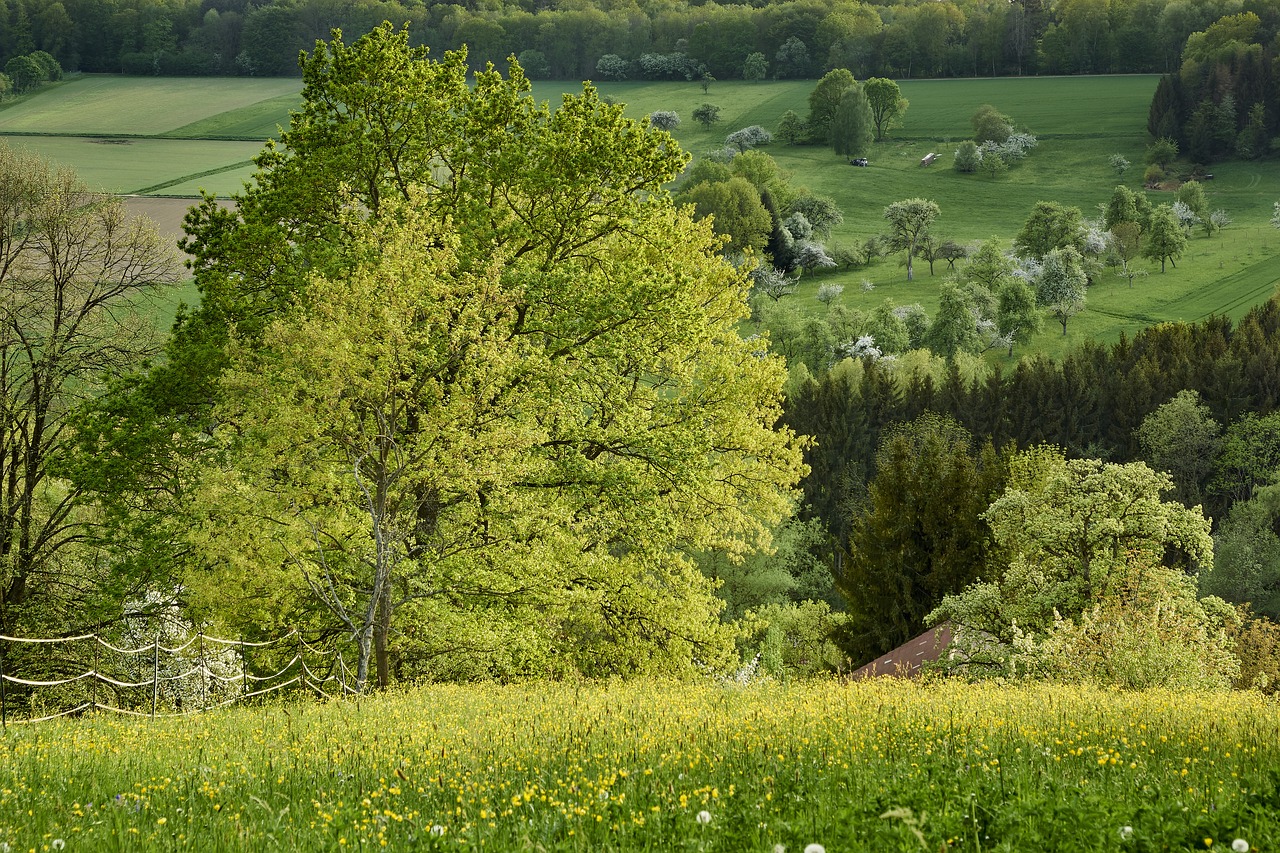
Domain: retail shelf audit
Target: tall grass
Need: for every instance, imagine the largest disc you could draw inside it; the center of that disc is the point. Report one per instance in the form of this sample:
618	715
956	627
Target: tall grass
634	766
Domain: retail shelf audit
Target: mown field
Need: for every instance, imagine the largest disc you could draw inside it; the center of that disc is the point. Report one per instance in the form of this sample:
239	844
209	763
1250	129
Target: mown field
661	767
159	137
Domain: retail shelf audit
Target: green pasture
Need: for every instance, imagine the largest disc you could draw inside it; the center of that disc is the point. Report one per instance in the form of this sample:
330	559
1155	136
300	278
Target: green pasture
97	104
145	166
1079	123
173	137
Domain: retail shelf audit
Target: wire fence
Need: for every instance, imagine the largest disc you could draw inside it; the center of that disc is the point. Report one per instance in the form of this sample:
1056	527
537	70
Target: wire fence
65	676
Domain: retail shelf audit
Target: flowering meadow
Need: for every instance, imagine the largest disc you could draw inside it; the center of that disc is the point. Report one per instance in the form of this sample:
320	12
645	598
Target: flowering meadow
880	766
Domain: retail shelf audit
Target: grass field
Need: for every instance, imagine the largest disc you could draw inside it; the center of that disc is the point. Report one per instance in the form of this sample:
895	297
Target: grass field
1079	122
193	134
661	767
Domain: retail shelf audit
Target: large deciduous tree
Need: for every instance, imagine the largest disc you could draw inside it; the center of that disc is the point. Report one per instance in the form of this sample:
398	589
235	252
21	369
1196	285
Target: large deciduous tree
485	385
1050	226
851	128
75	271
887	104
1099	583
824	100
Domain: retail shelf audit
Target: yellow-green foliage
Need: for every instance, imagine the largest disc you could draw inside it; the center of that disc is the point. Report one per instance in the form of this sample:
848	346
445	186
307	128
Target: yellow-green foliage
631	766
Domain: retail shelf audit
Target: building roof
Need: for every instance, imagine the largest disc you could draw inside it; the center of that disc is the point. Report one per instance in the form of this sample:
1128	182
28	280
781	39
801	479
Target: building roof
906	660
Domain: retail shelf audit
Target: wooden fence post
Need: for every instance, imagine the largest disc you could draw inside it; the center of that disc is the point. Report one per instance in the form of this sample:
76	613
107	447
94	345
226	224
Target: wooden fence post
204	677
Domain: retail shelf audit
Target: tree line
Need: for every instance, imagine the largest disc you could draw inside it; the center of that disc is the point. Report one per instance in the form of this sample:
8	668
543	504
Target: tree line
635	38
1224	99
1194	400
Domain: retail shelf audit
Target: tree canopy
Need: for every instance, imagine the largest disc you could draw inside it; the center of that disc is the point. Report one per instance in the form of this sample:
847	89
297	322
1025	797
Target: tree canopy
530	401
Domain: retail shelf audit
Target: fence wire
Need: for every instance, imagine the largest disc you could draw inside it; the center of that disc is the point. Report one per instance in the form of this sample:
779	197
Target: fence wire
199	674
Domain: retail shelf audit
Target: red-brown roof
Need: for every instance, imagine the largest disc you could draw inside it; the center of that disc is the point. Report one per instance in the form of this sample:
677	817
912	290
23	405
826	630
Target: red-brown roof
905	661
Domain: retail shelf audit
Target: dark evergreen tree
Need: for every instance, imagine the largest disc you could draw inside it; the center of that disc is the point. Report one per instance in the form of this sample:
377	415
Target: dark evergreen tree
920	535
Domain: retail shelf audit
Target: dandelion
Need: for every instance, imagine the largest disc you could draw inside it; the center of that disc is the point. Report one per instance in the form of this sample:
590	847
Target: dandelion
815	848
704	816
779	848
58	844
437	830
1240	846
1126	832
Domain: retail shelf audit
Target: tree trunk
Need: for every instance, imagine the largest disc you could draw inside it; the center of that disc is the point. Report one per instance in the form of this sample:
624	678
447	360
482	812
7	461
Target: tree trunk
381	631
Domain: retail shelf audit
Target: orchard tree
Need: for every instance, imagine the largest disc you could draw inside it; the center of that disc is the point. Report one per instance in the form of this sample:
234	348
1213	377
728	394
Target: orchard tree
1097	584
1061	285
736	213
1018	317
748	138
909	223
968	158
463	477
851	128
887	105
706	115
77	275
1164	237
667	120
991	125
954	328
1192	195
612	67
792	129
1126	247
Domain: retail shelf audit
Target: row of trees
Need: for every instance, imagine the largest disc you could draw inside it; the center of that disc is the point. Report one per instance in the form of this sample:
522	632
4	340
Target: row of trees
27	72
794	40
1091	404
1224	100
909	497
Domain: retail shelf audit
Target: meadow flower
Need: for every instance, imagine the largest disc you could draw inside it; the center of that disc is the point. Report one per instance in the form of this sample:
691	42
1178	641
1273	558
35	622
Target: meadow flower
815	848
779	848
704	816
1240	846
58	844
1126	832
437	830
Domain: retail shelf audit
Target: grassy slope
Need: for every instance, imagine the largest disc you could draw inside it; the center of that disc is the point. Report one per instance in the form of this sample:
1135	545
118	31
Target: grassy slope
1079	121
95	104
